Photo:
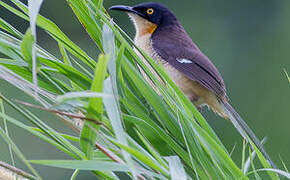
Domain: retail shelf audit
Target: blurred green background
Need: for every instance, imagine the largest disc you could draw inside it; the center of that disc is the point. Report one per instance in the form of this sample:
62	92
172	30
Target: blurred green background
248	41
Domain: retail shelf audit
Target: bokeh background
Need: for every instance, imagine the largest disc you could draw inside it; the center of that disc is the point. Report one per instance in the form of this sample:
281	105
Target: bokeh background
248	41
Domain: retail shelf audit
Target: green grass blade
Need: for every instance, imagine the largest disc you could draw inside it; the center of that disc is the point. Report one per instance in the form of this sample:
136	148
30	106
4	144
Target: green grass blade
82	94
53	30
5	61
34	7
83	165
287	75
70	72
67	61
7	27
95	109
26	47
74	174
87	19
15	11
24	85
110	87
152	151
278	171
177	171
143	158
264	162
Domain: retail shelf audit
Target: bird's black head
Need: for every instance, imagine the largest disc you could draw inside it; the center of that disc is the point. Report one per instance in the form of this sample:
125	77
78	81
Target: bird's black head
153	12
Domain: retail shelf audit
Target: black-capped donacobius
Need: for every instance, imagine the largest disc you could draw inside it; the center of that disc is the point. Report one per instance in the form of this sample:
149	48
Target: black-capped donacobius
163	38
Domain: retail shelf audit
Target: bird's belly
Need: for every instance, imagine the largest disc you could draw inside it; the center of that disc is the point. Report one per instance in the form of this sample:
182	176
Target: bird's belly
198	94
192	89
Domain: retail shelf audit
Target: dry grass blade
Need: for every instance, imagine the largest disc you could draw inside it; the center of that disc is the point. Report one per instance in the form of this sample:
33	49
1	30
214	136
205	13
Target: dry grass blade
62	113
8	171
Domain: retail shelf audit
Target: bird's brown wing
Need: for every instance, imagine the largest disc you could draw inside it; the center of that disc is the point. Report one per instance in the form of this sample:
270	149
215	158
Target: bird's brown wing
193	64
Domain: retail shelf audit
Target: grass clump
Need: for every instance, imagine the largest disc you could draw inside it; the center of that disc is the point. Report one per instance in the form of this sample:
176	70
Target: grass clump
125	127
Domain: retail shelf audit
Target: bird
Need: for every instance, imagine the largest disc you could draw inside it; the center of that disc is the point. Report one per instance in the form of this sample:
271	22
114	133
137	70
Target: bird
160	34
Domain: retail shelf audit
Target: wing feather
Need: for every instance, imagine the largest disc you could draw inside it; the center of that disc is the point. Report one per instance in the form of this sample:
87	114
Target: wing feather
176	48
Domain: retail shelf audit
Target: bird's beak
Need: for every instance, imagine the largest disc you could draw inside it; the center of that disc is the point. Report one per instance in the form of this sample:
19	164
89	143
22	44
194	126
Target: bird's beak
123	8
127	9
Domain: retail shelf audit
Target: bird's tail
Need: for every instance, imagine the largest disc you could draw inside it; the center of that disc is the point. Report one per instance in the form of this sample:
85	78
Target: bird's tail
244	129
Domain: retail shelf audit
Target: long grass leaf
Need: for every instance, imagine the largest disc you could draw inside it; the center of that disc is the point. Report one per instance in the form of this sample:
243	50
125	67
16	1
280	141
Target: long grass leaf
145	159
74	174
53	30
110	87
264	162
151	150
82	94
288	77
278	171
9	28
91	24
26	46
33	9
95	108
177	171
24	85
83	165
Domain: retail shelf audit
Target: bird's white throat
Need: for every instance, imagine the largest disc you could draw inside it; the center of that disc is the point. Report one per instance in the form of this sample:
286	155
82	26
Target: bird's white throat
142	26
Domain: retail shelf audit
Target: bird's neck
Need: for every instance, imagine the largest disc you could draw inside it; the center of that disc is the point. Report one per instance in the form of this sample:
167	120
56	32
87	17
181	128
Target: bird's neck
142	26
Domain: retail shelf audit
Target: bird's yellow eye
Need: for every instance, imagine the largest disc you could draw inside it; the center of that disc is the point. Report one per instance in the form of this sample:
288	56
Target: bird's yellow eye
150	11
